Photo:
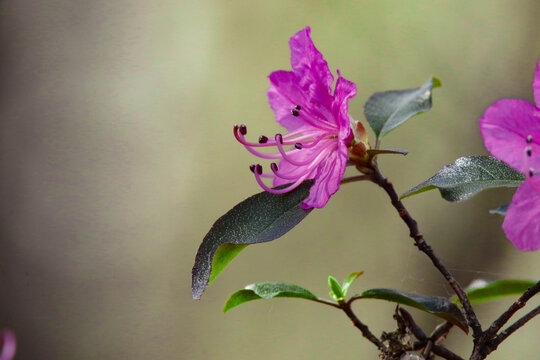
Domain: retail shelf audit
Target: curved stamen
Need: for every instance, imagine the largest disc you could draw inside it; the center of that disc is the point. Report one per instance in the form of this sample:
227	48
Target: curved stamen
276	172
310	144
241	139
295	162
278	191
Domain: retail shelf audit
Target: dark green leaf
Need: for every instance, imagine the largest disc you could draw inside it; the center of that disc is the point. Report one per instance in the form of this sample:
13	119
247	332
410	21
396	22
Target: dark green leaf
262	217
435	305
267	290
501	210
335	289
386	110
372	152
469	175
481	290
349	280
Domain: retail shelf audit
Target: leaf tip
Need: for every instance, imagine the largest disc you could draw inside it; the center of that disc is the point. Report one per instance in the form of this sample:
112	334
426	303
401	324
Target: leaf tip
436	82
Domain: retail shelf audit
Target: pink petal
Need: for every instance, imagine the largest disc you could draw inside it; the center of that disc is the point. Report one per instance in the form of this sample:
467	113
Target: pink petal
344	91
536	85
505	127
8	345
283	95
306	60
327	179
522	221
314	76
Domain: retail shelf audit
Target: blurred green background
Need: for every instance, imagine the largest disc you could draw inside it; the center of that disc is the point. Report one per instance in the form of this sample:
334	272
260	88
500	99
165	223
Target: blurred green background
117	155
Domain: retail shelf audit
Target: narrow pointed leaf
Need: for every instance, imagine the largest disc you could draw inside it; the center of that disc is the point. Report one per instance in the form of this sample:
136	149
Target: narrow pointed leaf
501	210
267	290
260	218
438	306
335	289
467	176
482	291
349	280
386	110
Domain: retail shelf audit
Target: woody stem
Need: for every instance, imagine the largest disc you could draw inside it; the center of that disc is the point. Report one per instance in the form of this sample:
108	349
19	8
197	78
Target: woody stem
378	178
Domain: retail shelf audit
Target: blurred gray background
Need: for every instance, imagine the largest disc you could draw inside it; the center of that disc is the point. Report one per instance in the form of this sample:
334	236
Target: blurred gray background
117	155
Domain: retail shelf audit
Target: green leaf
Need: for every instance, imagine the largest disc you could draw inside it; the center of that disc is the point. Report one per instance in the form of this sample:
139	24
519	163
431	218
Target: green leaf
468	175
372	152
224	255
260	218
482	291
335	289
267	290
349	280
501	210
438	306
386	110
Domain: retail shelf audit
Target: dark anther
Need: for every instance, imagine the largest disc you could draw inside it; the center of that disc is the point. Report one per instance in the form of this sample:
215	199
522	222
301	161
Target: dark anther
528	150
279	138
258	169
243	129
529	139
298	146
262	139
531	172
297	107
252	168
274	167
295	112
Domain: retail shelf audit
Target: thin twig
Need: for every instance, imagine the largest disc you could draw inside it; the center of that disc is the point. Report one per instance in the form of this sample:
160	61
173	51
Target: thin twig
445	353
346	307
488	342
326	302
355	178
441	331
522	321
418	238
411	324
518	304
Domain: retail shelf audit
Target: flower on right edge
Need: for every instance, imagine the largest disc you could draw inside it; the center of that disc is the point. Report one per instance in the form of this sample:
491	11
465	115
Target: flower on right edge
511	131
8	344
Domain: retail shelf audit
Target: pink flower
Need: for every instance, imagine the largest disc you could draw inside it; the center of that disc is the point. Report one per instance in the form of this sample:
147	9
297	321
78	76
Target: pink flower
8	344
511	131
318	124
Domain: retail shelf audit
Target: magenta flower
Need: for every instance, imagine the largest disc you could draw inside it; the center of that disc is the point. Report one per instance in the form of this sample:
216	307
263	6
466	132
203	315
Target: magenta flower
318	124
8	344
511	131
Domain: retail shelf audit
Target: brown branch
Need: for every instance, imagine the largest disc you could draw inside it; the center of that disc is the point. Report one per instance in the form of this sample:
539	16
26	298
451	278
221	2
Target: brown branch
354	179
522	321
346	307
418	238
441	331
411	324
490	344
445	353
518	304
